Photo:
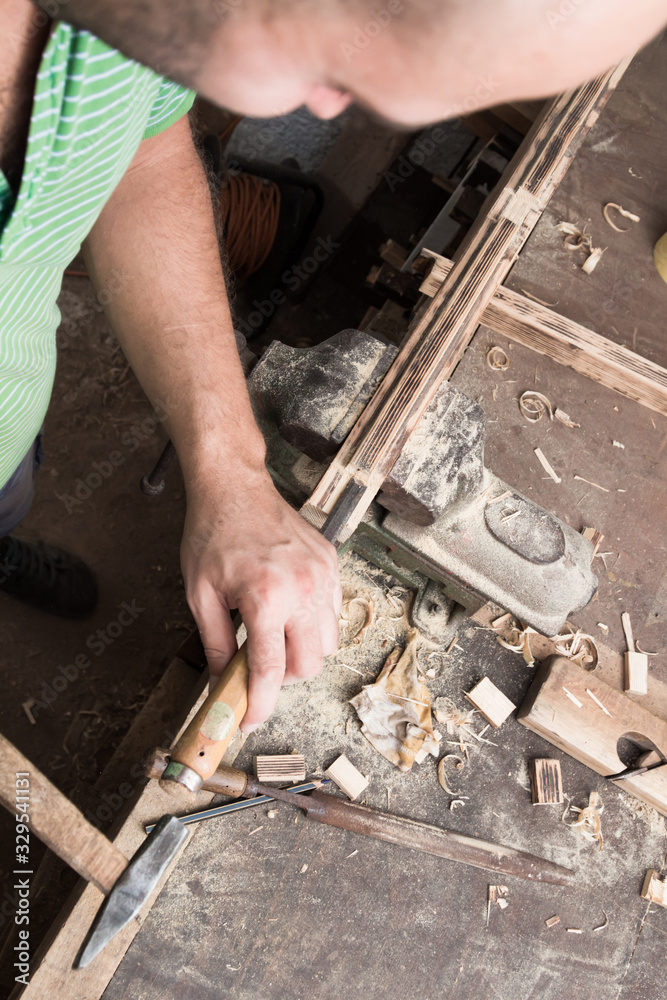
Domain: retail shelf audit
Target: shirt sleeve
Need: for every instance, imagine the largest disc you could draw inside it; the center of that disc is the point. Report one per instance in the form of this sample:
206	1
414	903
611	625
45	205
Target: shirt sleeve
172	102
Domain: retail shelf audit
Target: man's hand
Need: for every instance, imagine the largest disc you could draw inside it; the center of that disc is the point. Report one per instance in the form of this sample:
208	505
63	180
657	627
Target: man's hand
249	550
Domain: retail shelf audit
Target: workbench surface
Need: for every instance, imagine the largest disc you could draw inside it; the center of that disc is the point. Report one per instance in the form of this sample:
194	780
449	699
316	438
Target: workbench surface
261	908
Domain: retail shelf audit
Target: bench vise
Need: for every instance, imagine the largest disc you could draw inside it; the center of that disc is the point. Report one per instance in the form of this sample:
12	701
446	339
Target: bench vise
441	513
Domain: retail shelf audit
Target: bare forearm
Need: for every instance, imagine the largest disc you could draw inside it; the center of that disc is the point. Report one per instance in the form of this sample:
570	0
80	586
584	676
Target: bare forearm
171	314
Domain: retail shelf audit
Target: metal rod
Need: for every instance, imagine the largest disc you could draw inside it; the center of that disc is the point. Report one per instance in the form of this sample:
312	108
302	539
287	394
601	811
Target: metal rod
231	807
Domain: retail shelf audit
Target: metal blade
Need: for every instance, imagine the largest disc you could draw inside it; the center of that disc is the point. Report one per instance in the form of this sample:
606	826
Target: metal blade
134	886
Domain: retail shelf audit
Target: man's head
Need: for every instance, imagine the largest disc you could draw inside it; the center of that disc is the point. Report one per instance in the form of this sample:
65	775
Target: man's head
410	61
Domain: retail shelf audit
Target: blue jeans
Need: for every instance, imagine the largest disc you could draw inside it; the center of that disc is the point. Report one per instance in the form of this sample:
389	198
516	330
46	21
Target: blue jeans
16	495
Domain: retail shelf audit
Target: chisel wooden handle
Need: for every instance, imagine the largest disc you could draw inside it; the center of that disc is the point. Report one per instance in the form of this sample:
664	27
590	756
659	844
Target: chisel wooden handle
50	815
201	747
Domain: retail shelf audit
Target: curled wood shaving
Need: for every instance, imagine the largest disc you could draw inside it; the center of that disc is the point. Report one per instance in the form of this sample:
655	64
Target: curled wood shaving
441	771
644	651
454	803
369	615
593	260
621	211
578	646
601	927
497	359
588	822
534	405
565	418
520	644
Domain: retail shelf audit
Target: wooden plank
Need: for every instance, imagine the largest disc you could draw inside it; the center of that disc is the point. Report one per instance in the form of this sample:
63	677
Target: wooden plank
441	335
577	712
536	326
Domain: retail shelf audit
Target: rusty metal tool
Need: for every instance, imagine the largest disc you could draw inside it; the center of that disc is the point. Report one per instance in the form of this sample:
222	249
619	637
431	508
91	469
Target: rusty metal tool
57	822
419	836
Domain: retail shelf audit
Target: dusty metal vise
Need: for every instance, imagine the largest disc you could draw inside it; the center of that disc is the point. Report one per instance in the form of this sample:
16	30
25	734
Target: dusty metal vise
441	517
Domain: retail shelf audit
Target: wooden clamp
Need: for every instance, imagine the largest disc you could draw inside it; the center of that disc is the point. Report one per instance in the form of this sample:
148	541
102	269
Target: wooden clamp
580	714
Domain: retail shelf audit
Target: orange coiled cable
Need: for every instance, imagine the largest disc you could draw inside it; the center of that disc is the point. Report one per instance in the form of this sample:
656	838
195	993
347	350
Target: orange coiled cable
249	208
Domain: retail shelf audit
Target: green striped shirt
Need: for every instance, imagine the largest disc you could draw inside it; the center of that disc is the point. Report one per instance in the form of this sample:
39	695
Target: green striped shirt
92	108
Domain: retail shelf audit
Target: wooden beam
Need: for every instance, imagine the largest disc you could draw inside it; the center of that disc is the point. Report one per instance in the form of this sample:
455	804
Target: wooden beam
536	326
440	336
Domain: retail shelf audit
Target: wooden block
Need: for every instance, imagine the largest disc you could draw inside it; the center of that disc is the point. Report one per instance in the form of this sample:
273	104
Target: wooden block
285	767
492	703
636	673
552	921
546	781
347	777
655	888
559	707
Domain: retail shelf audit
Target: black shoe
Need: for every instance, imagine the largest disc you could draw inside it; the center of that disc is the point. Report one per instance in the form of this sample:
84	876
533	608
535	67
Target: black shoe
46	577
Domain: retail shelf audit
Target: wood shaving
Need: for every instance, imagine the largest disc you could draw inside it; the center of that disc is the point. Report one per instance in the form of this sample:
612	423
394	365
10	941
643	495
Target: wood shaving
534	405
256	830
617	444
542	459
304	869
369	615
451	645
573	698
588	822
441	771
565	418
596	485
497	359
454	803
26	706
621	211
578	646
574	930
593	260
351	855
598	702
501	496
601	927
448	715
605	628
644	651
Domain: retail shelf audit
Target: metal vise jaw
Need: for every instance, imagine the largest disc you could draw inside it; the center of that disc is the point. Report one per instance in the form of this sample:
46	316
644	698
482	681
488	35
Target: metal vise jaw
448	516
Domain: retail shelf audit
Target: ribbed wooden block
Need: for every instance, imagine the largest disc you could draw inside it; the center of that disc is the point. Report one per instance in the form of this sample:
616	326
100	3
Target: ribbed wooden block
546	781
285	767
